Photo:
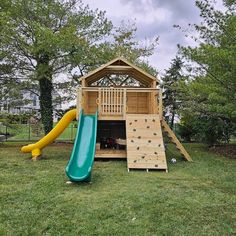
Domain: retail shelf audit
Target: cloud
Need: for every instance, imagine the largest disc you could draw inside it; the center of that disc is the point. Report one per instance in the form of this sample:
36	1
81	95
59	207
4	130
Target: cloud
153	18
184	9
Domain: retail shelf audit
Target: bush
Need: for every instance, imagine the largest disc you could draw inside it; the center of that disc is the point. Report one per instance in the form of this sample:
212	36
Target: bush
207	129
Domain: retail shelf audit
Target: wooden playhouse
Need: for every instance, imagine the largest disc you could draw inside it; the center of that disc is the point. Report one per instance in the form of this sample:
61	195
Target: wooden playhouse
130	122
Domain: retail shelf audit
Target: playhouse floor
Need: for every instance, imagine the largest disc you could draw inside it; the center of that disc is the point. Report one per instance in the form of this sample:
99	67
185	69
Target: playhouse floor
110	153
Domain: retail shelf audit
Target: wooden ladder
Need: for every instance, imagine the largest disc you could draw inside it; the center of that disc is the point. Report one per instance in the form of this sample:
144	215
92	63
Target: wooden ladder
175	140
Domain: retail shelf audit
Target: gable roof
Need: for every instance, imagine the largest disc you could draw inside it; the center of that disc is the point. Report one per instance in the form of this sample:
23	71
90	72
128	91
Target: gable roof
119	66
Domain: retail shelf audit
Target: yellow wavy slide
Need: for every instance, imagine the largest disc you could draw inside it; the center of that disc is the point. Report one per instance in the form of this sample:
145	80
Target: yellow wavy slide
36	148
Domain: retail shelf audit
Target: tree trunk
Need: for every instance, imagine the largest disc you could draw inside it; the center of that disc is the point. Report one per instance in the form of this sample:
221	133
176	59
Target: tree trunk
46	109
172	120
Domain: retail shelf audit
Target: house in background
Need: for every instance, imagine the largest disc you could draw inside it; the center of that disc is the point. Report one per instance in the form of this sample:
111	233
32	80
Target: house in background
28	103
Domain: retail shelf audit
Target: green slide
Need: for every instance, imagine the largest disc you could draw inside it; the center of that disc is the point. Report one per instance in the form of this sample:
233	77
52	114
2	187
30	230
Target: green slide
81	161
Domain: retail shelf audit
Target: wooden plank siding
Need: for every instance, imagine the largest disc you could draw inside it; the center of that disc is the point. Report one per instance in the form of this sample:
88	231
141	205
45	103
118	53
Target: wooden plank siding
145	147
115	103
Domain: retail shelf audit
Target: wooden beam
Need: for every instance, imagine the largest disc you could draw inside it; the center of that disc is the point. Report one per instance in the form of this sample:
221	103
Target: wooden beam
124	103
122	82
175	140
110	153
110	80
131	89
79	102
99	100
118	68
160	104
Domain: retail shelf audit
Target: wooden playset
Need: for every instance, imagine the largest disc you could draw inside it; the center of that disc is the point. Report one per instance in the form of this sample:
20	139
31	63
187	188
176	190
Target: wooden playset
119	113
129	105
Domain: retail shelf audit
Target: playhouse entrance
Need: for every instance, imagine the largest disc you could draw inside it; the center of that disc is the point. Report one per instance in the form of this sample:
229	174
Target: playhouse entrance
111	139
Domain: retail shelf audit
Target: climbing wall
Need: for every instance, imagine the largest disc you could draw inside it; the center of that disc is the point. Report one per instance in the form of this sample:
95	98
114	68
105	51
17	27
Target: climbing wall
145	147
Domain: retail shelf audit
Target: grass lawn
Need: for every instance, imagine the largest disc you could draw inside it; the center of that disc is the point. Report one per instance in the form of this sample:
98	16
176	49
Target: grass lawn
23	132
192	199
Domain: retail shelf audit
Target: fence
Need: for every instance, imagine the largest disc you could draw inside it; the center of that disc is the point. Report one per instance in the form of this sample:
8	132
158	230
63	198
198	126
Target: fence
32	132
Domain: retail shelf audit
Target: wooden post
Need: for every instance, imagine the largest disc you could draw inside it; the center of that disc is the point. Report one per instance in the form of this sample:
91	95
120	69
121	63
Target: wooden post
106	100
120	104
124	104
99	101
154	98
102	104
79	102
160	104
155	108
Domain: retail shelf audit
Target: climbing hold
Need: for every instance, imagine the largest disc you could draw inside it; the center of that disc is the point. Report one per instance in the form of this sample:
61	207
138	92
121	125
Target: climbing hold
142	157
156	165
132	141
148	127
149	141
139	137
135	120
145	120
155	153
153	120
137	148
130	123
154	133
135	161
159	145
134	130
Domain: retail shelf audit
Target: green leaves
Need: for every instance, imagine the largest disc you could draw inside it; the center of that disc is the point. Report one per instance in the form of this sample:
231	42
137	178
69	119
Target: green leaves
210	93
171	99
39	40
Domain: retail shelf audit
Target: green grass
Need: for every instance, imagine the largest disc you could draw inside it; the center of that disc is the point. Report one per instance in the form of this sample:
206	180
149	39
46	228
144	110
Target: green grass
23	132
192	199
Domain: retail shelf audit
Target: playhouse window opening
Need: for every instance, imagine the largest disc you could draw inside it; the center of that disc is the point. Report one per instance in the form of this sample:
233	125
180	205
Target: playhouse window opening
111	135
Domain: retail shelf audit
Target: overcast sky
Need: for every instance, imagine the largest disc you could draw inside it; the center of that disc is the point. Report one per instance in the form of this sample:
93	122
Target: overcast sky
153	18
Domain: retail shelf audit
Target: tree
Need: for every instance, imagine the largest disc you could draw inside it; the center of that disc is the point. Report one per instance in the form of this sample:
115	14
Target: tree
170	83
125	45
210	92
121	43
39	38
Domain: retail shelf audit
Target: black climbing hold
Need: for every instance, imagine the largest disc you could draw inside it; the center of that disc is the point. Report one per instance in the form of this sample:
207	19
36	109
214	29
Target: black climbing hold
148	127
139	137
134	129
132	141
154	133
135	161
153	120
156	165
137	148
145	120
155	153
159	145
135	120
149	141
143	157
130	123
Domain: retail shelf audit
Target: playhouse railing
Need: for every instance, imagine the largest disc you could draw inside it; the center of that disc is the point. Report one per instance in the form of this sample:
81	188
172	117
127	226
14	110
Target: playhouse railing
112	101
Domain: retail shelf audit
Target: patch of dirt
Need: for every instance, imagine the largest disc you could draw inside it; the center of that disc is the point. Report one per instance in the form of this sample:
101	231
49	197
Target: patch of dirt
225	150
61	144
